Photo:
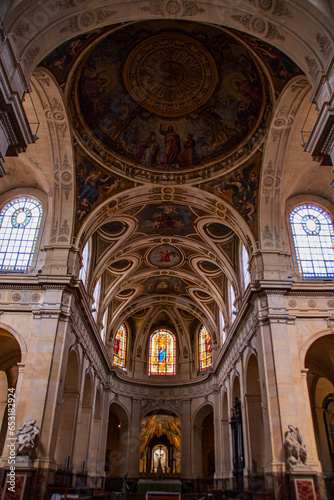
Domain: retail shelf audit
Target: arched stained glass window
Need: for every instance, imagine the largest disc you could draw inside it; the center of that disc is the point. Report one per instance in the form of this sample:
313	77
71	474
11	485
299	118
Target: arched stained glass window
120	342
20	221
313	238
104	325
85	258
204	349
232	300
96	296
222	326
162	354
244	265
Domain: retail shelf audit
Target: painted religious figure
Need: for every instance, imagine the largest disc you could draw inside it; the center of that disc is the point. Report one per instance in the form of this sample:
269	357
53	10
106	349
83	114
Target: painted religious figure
243	191
148	151
172	145
189	156
165	256
162	353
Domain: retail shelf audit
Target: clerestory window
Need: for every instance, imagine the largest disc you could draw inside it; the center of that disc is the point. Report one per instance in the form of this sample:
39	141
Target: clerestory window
313	237
20	222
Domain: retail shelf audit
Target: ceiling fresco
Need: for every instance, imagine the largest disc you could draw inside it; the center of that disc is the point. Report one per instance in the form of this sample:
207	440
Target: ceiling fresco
156	94
166	219
168	120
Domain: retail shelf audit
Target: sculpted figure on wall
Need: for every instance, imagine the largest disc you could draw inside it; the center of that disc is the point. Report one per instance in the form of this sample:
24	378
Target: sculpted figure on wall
294	445
26	437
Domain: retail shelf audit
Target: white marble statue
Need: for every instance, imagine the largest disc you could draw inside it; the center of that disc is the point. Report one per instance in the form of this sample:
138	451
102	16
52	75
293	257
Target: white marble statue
26	437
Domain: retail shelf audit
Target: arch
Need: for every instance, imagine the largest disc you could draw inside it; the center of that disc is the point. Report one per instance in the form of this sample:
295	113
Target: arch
10	356
203	442
160	429
68	412
319	361
116	456
46	27
289	110
82	437
59	163
236	391
254	417
95	445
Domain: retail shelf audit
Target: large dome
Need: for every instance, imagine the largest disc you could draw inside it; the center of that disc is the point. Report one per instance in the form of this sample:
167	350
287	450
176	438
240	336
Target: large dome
169	97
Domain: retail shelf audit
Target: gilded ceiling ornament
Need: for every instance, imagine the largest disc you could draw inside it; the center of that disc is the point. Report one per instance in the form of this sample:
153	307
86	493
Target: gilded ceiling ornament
170	74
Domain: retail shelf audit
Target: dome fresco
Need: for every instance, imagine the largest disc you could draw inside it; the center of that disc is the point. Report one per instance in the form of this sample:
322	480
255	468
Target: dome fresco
169	96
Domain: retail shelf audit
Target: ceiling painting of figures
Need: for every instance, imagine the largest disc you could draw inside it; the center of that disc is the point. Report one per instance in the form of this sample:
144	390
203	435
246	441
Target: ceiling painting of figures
156	94
165	219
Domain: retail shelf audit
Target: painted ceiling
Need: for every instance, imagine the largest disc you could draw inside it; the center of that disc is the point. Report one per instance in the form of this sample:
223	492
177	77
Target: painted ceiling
168	120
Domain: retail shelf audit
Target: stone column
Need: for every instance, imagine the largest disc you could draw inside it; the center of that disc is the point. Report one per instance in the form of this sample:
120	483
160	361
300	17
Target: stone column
217	423
186	445
133	441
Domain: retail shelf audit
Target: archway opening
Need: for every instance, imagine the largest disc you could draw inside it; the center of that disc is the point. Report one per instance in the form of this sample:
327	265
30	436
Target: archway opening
160	439
9	358
319	361
255	423
81	447
204	447
117	452
68	414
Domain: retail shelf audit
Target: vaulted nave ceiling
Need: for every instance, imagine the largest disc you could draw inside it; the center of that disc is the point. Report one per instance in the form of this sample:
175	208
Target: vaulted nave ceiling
168	120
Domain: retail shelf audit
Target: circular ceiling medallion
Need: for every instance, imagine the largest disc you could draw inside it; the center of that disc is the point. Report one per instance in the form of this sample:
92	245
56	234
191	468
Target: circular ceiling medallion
164	256
170	74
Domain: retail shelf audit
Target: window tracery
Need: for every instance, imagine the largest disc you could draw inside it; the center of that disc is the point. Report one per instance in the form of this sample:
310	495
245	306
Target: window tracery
313	238
162	353
20	222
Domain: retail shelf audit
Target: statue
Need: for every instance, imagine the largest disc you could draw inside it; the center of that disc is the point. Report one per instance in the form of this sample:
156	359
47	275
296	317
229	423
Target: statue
294	445
26	438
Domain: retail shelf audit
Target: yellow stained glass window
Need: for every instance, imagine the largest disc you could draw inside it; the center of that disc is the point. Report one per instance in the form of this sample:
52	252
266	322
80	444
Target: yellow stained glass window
119	356
204	349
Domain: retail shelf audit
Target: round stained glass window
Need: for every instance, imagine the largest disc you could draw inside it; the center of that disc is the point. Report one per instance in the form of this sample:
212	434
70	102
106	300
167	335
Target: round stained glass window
21	217
311	224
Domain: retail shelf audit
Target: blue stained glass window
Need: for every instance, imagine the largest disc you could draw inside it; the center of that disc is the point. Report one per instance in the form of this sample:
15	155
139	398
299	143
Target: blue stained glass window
20	221
162	354
313	238
204	349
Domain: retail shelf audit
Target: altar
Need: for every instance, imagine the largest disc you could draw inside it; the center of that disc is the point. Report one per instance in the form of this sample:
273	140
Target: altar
161	486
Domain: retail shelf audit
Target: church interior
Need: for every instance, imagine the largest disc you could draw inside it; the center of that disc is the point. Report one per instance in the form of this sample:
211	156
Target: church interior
167	249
